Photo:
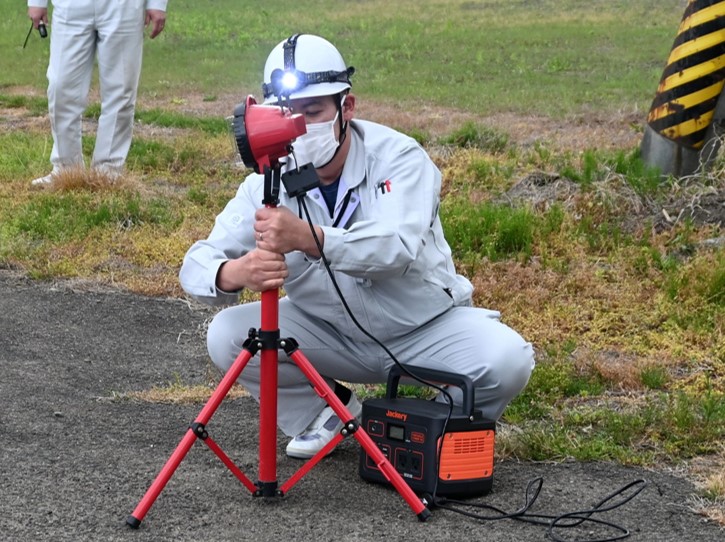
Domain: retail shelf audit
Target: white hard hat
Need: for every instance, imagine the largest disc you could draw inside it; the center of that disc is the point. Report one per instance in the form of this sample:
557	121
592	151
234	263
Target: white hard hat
304	66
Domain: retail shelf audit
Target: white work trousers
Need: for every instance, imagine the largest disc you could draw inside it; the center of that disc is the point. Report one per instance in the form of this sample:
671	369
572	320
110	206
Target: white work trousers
81	30
464	340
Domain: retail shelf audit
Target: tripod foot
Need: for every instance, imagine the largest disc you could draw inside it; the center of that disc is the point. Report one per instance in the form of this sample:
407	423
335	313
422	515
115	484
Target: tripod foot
133	522
423	515
268	490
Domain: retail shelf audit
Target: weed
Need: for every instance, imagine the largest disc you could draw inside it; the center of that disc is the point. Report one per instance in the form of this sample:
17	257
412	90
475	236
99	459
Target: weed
495	232
644	180
654	377
480	137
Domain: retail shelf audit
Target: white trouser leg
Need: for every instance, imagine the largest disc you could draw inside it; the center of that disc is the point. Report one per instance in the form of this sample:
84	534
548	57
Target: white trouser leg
472	341
464	340
72	50
120	51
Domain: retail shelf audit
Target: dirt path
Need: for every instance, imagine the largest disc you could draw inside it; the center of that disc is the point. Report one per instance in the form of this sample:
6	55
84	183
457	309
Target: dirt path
620	130
594	130
76	458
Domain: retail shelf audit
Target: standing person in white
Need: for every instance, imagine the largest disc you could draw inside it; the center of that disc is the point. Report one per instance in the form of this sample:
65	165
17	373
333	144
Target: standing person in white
376	216
82	31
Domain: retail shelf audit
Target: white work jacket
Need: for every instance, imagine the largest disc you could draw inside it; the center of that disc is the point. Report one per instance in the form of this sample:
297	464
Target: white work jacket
387	250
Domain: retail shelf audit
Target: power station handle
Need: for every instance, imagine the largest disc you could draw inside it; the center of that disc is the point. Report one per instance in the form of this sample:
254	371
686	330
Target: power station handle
437	377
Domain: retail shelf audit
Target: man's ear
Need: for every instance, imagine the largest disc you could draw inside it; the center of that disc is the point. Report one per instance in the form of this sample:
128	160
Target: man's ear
348	108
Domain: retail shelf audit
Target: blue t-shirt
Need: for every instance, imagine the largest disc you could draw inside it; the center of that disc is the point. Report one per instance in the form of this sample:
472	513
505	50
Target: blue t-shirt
329	192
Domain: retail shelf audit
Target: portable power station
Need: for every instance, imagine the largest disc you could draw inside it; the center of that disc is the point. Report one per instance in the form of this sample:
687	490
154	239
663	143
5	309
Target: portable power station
409	433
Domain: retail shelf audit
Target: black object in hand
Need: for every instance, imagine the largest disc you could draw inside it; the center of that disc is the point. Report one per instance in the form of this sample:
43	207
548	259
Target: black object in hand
42	30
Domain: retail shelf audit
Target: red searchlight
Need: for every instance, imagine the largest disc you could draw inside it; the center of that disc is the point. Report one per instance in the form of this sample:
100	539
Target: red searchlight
264	133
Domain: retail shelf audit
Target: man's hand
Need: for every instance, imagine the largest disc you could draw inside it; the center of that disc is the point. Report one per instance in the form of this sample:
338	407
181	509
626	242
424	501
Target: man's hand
258	270
278	229
157	19
37	15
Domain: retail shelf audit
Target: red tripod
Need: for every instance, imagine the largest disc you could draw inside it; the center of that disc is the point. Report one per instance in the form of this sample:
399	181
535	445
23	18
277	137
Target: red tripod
268	341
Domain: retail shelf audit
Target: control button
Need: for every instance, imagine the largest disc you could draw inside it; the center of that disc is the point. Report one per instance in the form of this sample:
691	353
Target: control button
417	436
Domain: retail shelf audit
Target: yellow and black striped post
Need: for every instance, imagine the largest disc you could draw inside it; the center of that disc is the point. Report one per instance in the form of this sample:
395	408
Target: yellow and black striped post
679	121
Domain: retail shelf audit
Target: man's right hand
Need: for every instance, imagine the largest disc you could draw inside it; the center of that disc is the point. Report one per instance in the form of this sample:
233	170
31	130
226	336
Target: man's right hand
37	15
258	270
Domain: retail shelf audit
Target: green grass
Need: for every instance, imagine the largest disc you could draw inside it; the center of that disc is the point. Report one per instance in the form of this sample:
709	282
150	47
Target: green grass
63	217
551	57
36	106
490	231
480	137
568	415
665	427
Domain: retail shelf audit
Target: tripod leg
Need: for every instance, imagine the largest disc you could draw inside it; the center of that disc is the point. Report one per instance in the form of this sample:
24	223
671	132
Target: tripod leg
393	476
195	431
314	460
135	519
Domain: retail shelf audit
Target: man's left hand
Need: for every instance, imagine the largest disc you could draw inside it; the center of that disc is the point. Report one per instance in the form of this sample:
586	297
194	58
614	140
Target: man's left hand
157	19
280	230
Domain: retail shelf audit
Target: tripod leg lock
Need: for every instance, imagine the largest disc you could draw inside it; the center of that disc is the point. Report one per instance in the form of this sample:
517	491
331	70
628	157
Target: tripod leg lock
289	345
350	428
253	343
199	430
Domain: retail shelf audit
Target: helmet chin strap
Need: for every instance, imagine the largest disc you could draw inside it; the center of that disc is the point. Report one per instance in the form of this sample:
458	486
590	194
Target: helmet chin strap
343	130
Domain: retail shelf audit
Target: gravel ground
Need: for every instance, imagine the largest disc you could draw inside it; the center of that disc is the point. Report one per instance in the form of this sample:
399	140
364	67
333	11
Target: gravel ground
76	458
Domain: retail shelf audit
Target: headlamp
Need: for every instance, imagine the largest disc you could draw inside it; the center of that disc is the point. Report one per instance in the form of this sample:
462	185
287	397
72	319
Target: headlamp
284	83
290	81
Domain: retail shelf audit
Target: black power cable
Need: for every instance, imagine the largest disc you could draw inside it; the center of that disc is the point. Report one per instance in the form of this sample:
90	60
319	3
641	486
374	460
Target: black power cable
566	520
442	390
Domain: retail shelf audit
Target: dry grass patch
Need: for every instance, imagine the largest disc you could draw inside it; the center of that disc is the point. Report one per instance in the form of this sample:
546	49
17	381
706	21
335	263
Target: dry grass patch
619	324
80	178
181	394
578	302
708	474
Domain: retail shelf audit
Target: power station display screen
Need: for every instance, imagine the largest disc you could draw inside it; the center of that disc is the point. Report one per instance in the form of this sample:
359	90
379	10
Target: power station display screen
396	432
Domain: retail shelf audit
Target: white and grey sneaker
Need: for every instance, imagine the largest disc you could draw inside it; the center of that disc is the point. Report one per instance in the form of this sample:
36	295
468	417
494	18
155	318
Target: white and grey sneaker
50	178
321	431
43	181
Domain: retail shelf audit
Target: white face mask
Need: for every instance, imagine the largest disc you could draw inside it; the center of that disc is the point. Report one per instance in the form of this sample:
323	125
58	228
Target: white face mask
318	145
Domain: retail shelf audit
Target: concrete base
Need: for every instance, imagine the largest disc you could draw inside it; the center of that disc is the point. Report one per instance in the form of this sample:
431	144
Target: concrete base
669	157
678	161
